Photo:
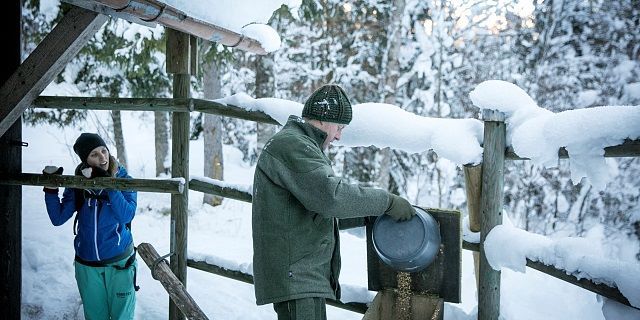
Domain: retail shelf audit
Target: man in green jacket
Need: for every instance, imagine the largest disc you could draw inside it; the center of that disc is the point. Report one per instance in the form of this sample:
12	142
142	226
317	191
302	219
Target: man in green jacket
297	201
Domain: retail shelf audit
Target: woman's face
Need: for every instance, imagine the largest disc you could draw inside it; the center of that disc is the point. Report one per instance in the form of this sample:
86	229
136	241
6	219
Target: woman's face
99	157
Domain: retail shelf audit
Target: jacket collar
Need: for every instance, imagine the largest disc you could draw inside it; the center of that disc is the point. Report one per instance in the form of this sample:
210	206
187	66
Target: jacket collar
297	123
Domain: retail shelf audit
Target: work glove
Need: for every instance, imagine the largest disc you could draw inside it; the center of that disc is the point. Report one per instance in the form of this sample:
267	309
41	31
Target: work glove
399	208
52	170
94	172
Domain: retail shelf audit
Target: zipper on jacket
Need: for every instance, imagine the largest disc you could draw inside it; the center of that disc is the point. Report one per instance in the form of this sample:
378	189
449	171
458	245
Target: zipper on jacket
118	233
95	230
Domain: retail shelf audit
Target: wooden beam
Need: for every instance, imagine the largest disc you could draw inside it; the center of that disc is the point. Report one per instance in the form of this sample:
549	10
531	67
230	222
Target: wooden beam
178	64
420	307
53	180
11	159
226	192
629	148
247	278
213	107
123	104
598	288
75	29
492	200
176	290
153	104
473	188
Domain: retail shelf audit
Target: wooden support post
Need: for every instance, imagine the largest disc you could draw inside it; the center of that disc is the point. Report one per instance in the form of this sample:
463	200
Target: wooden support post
491	206
58	48
423	307
473	186
11	158
178	64
176	290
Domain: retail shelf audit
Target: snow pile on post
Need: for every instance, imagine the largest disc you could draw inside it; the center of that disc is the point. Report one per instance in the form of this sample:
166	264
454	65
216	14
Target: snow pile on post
538	134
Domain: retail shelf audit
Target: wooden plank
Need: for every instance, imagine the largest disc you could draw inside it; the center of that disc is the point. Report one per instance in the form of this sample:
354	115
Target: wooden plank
123	104
178	53
226	192
587	284
176	290
45	180
58	48
11	159
492	200
178	64
247	278
473	188
421	307
232	111
629	148
443	277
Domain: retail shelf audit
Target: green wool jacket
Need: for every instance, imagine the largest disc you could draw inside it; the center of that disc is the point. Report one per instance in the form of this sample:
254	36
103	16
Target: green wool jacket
297	201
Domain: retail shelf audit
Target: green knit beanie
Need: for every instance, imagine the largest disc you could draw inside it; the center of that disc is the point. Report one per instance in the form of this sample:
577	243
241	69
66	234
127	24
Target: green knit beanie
328	103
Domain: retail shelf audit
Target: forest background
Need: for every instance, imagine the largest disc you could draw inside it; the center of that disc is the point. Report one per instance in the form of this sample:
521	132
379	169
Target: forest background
423	56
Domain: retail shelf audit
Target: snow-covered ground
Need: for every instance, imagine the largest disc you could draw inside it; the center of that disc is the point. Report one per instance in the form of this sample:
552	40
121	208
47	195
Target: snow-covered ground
48	285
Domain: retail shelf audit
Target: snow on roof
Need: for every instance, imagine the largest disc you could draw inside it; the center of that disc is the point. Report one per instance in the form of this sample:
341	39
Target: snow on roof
247	17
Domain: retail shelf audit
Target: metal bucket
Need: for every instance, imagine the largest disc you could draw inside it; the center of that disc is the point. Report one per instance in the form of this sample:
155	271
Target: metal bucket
408	246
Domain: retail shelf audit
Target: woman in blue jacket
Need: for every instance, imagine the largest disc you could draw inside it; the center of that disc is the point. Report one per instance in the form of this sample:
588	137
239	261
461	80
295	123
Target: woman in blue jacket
105	265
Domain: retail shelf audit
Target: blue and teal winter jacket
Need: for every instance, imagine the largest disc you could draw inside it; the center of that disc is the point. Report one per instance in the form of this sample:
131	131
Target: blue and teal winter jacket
103	220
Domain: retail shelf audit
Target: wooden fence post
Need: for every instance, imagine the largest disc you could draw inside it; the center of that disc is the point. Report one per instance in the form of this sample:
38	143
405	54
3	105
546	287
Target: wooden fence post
492	200
473	187
178	64
176	290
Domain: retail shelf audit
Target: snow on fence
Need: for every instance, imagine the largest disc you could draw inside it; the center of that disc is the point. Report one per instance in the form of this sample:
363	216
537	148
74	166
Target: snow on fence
511	118
275	111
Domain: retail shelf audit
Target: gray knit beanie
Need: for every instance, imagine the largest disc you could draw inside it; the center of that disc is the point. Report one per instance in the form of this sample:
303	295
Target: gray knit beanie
328	103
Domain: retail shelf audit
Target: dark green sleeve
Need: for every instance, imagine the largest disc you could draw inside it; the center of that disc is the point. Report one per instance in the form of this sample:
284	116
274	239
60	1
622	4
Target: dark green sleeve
306	173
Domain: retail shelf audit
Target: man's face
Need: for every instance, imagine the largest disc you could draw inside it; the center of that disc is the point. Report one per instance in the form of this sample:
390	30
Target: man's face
333	130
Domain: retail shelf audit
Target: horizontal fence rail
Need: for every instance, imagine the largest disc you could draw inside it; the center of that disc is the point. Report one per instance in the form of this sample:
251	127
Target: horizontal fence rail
629	148
54	180
226	192
599	288
152	104
247	278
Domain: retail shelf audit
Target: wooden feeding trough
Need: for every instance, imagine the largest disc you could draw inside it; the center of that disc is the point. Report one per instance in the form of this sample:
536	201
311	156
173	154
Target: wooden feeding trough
418	295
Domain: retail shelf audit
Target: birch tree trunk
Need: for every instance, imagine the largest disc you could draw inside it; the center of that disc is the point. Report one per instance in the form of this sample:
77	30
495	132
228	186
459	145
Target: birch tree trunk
161	131
390	74
212	129
265	87
118	137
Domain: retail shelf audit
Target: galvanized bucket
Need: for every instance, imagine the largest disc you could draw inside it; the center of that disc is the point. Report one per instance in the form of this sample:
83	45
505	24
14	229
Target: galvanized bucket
408	246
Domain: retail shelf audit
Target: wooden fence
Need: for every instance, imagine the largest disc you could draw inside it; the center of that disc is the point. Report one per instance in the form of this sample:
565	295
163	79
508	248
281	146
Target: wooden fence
76	29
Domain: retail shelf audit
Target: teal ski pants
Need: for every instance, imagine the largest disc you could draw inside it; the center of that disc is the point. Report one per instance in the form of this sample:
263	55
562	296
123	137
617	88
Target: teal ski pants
107	293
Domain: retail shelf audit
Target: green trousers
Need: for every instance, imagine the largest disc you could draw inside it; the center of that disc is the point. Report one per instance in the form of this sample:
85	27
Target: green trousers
107	293
302	309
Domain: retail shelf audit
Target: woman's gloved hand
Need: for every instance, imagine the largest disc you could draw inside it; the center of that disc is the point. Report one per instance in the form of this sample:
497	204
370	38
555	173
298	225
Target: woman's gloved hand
49	170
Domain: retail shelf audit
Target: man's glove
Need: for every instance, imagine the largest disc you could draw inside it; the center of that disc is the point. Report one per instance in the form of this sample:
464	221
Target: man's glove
399	208
94	172
51	170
